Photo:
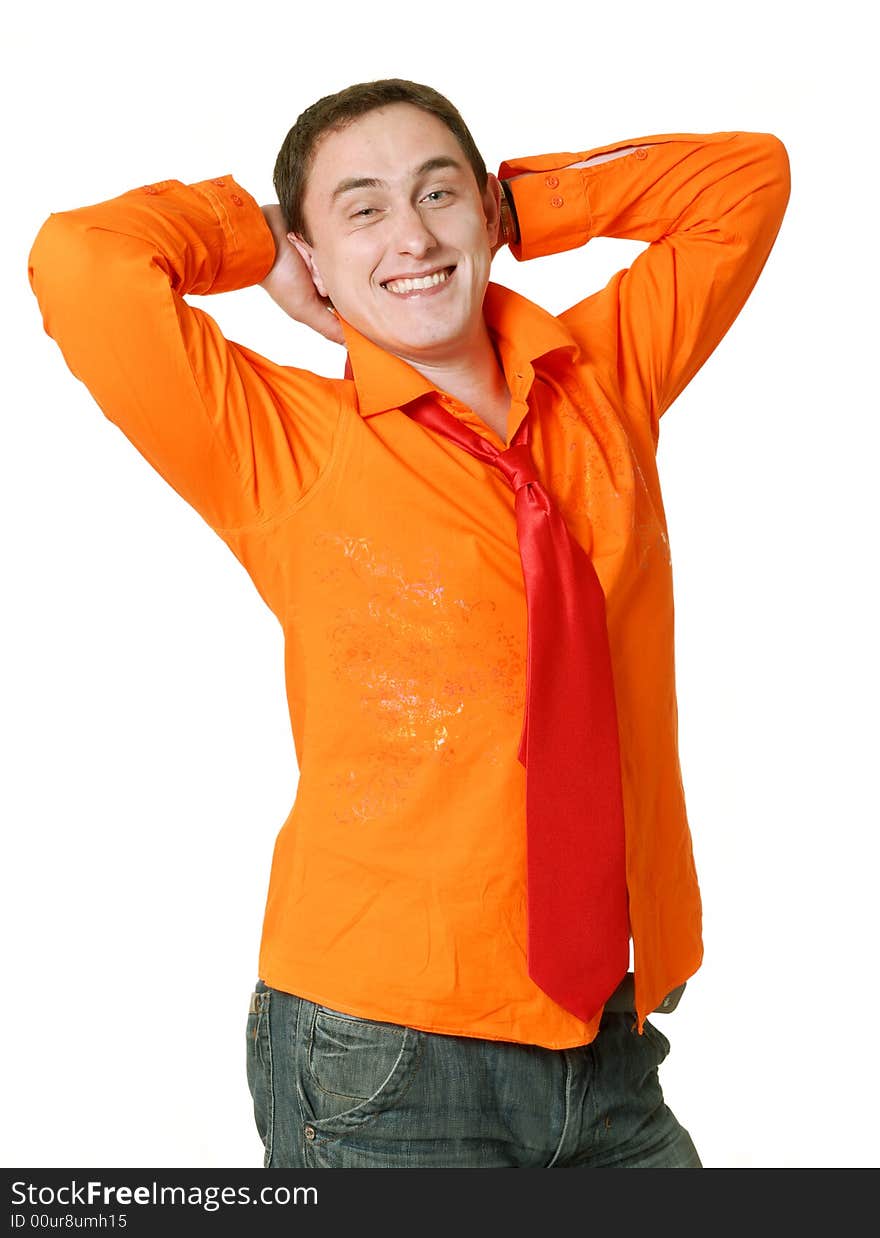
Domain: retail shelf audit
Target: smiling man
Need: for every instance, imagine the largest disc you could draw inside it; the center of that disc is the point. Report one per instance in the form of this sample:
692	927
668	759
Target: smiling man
407	249
464	541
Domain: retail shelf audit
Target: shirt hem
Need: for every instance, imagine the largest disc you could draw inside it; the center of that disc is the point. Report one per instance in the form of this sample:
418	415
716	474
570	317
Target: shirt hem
337	1003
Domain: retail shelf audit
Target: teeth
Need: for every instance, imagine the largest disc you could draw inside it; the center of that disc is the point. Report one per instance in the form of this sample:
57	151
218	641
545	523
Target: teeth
411	285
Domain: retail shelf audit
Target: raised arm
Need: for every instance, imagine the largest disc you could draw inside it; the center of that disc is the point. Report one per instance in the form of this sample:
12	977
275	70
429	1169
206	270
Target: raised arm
710	205
238	437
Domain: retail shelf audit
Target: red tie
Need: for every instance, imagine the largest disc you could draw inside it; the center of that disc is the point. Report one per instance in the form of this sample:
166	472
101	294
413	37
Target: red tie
578	920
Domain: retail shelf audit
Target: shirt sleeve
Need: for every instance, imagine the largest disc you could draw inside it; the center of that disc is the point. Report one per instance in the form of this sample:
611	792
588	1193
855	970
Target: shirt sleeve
237	436
710	205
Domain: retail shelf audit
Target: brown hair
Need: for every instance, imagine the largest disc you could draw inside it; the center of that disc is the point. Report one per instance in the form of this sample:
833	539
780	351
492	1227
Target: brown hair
334	112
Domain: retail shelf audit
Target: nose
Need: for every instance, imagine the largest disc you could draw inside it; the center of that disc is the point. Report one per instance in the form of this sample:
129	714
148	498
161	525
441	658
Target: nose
411	233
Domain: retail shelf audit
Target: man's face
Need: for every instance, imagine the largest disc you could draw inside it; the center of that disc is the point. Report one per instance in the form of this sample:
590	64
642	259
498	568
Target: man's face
421	214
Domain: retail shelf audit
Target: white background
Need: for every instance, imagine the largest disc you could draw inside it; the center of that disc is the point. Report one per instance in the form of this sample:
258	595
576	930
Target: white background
147	756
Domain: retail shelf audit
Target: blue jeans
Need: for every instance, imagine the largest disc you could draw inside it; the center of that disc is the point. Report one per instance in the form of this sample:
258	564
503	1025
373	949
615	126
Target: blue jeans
334	1091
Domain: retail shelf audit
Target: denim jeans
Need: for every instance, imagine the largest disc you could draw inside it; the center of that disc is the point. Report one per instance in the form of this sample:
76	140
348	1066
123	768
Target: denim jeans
335	1091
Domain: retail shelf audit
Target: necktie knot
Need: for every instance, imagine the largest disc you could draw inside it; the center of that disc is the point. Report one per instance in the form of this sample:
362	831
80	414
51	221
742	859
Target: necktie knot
517	465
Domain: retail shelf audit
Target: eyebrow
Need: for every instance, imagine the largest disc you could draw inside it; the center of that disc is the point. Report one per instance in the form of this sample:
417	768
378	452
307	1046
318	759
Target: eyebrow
371	182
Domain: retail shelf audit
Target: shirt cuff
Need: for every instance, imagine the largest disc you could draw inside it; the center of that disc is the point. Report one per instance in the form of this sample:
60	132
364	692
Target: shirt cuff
552	205
248	252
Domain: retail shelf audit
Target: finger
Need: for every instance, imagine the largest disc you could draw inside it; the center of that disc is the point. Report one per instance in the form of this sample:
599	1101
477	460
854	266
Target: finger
335	332
327	324
332	325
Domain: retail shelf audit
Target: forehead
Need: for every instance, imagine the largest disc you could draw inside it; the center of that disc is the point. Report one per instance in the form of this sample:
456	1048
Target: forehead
387	143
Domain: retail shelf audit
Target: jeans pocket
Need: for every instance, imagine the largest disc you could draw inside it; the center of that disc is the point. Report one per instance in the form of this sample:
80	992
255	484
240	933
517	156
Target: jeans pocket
259	1065
341	1014
656	1038
354	1069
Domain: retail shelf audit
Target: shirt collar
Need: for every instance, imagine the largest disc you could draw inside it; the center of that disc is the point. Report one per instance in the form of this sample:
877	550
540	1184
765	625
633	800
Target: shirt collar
522	331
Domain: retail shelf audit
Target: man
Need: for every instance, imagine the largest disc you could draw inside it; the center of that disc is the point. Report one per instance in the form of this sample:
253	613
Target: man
436	989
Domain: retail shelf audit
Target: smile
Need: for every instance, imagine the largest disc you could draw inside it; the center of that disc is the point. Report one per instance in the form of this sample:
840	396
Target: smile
426	283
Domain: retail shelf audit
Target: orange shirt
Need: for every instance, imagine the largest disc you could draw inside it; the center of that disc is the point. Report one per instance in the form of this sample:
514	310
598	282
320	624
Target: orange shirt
389	555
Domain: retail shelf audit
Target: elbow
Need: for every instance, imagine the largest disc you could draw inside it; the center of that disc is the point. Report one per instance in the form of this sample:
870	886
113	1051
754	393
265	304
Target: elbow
65	266
780	161
764	185
777	172
39	258
51	262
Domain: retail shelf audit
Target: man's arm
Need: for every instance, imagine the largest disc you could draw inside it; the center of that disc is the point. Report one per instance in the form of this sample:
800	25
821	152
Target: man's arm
710	205
238	437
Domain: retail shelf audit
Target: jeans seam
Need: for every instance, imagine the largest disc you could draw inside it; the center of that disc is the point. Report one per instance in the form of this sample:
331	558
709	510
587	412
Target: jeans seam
568	1075
266	1013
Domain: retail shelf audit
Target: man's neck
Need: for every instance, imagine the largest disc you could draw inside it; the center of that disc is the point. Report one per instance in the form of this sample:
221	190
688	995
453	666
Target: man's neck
473	376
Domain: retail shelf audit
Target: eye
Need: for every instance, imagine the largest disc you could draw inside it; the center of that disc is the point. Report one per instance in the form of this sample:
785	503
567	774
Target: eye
434	193
364	212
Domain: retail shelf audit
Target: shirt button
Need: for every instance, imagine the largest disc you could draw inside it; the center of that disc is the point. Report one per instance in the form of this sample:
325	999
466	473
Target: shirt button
310	1132
641	153
556	200
236	199
219	181
551	181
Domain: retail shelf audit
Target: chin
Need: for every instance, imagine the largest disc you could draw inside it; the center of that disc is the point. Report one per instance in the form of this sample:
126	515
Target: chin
399	336
431	345
428	333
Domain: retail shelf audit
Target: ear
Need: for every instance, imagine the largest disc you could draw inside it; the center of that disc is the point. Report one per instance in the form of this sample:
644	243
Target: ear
492	208
307	253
